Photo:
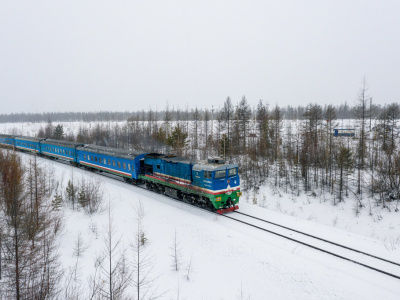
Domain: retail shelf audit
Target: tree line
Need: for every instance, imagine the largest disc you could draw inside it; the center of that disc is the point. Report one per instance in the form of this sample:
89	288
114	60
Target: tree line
343	111
300	156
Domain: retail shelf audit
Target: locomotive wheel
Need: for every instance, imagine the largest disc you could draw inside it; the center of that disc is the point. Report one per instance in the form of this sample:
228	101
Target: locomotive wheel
186	198
160	189
148	186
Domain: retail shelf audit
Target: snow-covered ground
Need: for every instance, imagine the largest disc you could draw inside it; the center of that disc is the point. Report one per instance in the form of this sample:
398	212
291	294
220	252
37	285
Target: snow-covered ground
381	224
228	259
31	129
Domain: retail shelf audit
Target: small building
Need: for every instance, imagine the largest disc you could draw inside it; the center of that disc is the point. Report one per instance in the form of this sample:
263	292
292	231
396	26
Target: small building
343	132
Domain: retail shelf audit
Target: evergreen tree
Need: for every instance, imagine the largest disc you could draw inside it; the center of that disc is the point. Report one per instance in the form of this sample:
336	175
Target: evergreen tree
82	197
56	203
345	162
71	193
58	132
177	139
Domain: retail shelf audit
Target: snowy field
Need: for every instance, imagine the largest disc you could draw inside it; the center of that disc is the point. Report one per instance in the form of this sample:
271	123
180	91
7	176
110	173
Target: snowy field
228	259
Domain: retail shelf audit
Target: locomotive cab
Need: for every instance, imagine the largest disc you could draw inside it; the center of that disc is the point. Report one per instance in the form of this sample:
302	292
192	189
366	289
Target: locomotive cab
220	182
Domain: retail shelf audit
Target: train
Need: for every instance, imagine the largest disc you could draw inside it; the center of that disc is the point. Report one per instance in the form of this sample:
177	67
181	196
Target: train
211	184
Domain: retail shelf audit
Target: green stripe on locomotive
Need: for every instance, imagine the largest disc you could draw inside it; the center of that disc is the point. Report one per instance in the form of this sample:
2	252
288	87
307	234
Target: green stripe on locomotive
218	201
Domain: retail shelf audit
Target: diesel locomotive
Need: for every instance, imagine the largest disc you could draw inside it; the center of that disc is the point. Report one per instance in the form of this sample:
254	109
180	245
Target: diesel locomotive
210	184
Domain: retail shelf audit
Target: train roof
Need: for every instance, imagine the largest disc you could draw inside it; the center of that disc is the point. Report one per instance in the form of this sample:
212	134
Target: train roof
206	166
28	138
61	143
7	136
110	151
171	158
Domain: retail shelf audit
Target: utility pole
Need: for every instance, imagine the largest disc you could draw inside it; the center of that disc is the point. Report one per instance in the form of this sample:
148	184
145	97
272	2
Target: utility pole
212	126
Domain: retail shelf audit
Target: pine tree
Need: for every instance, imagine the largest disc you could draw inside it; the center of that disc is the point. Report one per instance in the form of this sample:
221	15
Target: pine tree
71	193
82	197
56	203
58	132
177	140
345	163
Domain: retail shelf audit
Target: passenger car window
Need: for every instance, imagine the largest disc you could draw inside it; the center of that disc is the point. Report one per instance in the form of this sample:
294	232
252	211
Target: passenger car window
124	164
232	172
220	174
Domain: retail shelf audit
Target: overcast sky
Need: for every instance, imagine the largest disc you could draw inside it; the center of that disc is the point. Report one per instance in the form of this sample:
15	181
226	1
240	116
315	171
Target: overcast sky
96	55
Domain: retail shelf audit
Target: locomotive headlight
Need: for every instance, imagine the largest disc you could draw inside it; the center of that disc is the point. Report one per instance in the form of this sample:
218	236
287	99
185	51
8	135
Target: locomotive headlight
218	199
239	194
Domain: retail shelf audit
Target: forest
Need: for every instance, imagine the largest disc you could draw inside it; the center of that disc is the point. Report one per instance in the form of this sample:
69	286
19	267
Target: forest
291	150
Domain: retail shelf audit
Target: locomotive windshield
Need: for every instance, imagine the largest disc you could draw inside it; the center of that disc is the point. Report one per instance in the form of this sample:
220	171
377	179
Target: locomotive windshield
232	172
220	174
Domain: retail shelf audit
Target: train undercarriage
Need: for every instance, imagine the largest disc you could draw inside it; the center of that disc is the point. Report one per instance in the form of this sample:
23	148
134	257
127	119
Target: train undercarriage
190	198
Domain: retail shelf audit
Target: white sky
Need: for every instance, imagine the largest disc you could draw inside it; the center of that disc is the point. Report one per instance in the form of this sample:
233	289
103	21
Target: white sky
132	55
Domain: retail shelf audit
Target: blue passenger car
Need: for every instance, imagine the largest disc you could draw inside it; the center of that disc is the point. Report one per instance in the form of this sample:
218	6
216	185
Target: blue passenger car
120	162
27	143
7	140
59	149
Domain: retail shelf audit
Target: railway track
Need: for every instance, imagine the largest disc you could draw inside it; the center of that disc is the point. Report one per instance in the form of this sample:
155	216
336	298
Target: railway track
364	259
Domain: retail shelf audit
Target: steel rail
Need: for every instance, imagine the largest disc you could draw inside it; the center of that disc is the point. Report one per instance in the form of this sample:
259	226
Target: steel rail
314	247
321	239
